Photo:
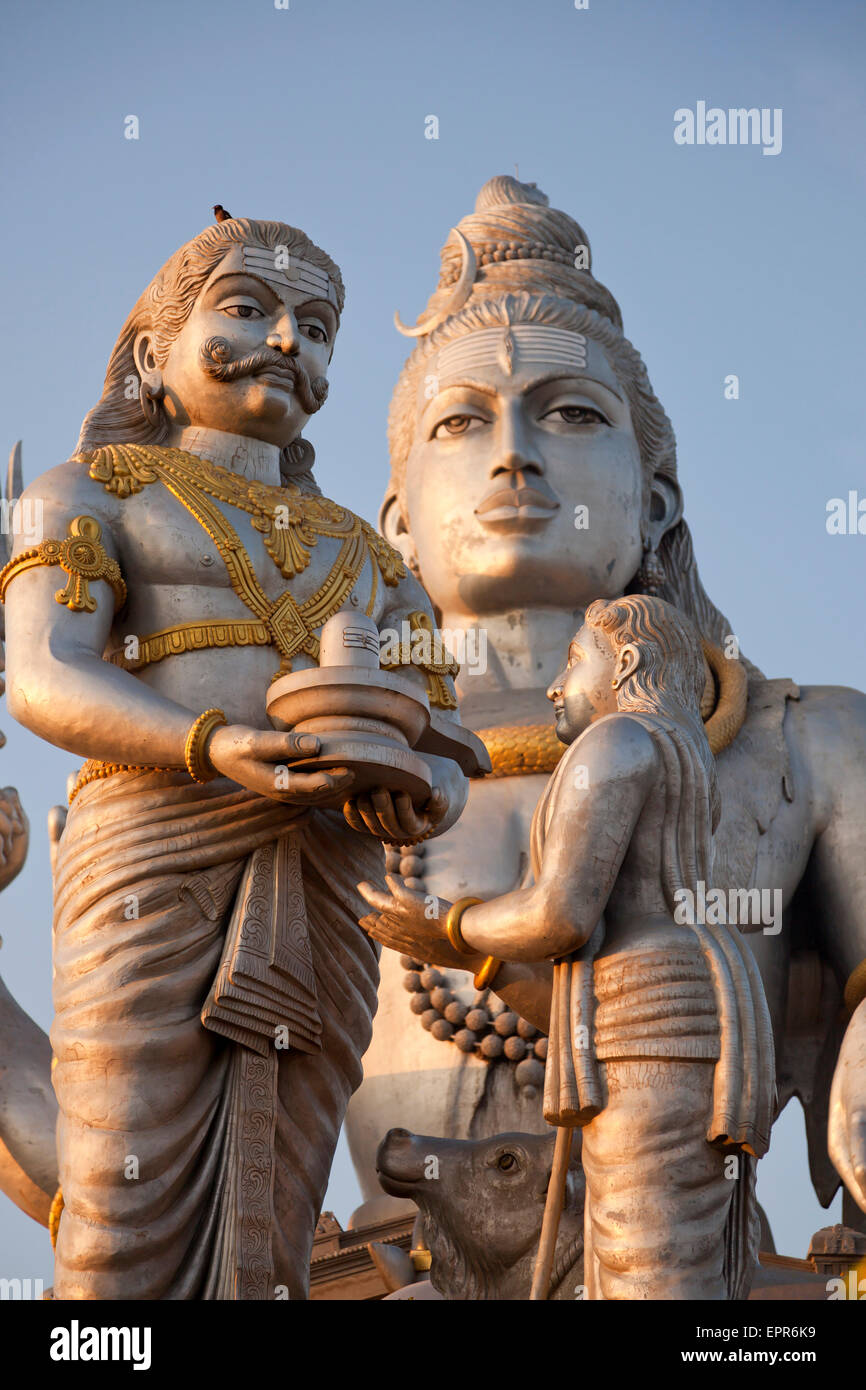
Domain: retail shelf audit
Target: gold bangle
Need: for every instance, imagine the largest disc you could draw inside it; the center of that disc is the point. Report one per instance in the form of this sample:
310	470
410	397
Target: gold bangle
855	989
452	925
487	974
198	764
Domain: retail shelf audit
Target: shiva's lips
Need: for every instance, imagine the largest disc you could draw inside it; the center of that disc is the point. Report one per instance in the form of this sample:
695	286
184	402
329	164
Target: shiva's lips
516	504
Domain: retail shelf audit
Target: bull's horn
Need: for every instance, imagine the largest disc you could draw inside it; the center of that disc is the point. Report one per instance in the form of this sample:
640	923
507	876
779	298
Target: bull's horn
457	299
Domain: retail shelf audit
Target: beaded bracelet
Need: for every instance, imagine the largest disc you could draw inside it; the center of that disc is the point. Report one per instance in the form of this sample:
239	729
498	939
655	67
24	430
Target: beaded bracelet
198	764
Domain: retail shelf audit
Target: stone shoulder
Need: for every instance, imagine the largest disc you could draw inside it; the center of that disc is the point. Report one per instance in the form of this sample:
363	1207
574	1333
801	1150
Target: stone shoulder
619	741
69	488
826	728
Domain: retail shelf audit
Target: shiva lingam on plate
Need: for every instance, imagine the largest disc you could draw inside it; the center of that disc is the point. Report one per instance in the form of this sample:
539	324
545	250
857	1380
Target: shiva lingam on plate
374	722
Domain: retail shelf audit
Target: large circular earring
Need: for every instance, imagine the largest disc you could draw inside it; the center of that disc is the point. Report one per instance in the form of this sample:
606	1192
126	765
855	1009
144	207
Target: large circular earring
150	394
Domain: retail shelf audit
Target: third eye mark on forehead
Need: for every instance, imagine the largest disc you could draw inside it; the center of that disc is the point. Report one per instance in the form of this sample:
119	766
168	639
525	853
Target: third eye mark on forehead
486	388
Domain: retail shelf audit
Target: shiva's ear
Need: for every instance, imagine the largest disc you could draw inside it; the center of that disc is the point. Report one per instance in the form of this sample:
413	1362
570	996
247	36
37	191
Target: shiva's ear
395	529
665	510
627	662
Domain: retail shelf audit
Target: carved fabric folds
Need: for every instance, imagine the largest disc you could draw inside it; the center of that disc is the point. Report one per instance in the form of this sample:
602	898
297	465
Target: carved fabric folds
723	1220
194	1167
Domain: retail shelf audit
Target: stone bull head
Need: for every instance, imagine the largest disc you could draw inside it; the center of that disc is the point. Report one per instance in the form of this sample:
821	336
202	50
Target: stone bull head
482	1202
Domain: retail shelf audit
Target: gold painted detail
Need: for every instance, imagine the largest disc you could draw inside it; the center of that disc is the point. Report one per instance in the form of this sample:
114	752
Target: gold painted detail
198	764
484	978
453	932
420	651
855	989
289	521
54	1215
727	717
84	558
516	750
95	771
192	637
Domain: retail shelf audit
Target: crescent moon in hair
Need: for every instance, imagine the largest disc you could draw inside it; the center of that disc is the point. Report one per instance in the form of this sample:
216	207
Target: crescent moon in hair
458	298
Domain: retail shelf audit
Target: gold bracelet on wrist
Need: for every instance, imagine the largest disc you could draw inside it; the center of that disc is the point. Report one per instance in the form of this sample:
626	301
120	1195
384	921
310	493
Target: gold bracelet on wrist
487	974
452	925
198	764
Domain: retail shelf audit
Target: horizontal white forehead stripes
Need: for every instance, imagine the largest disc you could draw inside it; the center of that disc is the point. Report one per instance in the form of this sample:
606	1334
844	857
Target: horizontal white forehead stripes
511	347
279	267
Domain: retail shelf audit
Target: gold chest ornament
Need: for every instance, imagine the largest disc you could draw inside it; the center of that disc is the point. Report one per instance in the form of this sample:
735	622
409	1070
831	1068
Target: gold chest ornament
290	523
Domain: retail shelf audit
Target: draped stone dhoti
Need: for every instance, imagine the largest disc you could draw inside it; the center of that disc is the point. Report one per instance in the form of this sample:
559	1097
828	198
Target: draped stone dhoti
657	1194
193	1164
668	1215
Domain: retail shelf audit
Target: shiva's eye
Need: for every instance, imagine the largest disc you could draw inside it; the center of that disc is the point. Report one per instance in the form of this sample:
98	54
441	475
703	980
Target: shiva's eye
576	415
455	424
505	1162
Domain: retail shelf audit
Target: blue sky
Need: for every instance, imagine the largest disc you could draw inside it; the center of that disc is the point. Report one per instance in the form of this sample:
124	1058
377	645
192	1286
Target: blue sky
723	261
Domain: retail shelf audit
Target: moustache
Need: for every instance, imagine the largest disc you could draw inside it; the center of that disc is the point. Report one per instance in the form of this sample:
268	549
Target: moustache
216	361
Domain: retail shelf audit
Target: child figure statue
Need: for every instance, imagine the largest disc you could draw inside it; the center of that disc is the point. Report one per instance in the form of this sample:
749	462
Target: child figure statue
660	1046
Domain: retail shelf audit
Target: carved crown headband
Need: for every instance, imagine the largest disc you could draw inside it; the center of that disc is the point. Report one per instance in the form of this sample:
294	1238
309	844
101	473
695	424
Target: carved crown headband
279	267
491	254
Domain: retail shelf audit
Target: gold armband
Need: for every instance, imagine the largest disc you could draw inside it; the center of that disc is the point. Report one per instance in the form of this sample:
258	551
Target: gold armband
84	558
419	649
198	764
452	925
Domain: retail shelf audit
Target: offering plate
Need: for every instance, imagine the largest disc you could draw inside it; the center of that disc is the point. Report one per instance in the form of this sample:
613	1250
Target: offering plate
376	723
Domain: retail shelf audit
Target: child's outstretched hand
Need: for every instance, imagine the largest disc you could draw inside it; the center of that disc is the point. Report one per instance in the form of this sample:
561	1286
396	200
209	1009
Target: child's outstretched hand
413	923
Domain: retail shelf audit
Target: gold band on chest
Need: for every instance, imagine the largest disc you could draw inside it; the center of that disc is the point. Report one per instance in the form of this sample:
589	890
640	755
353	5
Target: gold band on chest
191	637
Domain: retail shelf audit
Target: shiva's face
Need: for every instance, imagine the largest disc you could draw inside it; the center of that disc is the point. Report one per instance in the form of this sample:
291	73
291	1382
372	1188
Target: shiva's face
524	481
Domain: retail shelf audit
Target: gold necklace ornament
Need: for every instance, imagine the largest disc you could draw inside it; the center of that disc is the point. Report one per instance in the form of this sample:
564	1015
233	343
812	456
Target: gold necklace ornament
289	520
290	523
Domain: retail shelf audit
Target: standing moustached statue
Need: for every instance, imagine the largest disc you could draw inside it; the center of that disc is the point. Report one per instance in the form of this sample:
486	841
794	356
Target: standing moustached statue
533	469
213	991
661	1046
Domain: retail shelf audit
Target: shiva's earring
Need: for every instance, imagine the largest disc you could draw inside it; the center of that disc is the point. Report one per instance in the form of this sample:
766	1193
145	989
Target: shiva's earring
651	575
